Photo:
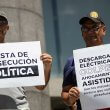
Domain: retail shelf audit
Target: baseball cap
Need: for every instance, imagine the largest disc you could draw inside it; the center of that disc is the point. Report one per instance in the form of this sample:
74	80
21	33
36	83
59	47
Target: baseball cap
3	18
94	16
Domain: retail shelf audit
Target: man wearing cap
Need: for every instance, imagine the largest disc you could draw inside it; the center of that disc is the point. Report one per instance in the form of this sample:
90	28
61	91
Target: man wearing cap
93	30
15	98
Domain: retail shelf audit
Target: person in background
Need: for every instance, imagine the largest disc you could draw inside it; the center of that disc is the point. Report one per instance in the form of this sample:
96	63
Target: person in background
93	31
15	98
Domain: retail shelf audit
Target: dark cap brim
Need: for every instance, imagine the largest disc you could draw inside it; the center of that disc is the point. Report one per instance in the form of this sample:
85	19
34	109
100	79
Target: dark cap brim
3	17
3	20
84	19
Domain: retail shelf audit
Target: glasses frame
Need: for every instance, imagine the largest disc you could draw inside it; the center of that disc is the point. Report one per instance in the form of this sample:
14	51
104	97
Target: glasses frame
93	29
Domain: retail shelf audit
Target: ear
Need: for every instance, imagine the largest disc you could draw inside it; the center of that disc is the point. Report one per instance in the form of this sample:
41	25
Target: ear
104	31
104	28
7	27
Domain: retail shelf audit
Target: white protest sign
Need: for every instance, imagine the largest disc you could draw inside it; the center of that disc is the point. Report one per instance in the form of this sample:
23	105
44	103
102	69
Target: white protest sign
92	66
20	64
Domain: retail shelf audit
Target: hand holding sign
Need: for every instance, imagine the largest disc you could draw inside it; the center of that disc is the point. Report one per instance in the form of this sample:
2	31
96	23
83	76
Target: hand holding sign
47	59
73	95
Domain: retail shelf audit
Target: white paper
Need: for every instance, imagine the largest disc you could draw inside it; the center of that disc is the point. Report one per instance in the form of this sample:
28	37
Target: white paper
20	64
92	66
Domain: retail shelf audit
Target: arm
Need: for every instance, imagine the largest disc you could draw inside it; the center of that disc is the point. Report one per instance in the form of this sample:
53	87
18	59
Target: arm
70	95
47	61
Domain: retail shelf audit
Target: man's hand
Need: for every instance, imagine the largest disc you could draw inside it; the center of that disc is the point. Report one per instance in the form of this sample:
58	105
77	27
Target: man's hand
70	95
73	95
47	60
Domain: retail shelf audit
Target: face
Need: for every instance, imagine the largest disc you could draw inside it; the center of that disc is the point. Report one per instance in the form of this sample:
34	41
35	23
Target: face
93	33
3	30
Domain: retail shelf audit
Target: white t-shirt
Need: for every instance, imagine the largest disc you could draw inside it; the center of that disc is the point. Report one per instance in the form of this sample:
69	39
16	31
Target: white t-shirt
13	98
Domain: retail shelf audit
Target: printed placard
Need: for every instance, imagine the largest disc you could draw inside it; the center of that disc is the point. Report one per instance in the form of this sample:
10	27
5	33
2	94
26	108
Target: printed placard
92	66
20	64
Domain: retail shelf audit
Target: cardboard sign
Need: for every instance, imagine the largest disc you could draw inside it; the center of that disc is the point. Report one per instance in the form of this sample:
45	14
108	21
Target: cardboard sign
92	66
20	64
